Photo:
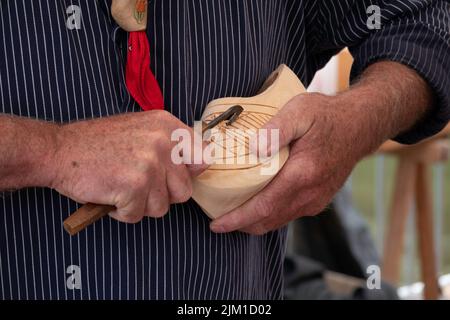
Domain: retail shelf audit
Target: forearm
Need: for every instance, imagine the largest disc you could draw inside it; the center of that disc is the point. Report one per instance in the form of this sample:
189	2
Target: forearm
388	99
26	148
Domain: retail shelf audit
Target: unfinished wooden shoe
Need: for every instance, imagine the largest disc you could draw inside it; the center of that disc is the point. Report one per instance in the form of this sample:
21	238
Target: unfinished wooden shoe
225	186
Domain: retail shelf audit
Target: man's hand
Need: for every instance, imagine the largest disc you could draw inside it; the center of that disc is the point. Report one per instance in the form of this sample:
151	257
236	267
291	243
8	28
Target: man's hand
316	169
123	161
328	136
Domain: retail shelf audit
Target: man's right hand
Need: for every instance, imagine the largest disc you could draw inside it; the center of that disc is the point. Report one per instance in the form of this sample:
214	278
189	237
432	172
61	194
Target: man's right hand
124	161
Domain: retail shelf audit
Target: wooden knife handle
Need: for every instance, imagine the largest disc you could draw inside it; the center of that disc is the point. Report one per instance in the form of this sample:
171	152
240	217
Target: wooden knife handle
85	216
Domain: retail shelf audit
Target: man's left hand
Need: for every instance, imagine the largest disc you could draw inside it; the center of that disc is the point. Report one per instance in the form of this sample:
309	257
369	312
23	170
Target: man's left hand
327	136
323	151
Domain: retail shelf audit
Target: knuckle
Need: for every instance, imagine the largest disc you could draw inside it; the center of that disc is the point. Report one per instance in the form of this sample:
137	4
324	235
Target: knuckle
182	196
136	182
157	203
263	209
129	210
159	140
159	209
151	162
183	193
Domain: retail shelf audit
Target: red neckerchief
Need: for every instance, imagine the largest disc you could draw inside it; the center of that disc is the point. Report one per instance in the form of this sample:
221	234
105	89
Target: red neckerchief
140	81
131	15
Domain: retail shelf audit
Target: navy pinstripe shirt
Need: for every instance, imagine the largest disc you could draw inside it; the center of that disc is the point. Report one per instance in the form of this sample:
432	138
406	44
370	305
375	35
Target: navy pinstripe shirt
200	50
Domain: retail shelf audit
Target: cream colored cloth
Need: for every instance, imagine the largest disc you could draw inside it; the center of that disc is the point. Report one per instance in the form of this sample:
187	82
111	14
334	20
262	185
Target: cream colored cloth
130	15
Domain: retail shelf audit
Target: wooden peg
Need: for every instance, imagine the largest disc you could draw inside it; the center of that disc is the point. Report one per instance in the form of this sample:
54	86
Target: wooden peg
85	216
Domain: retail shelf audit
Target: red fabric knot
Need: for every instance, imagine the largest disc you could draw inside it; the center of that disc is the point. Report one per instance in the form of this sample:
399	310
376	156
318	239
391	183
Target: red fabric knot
140	81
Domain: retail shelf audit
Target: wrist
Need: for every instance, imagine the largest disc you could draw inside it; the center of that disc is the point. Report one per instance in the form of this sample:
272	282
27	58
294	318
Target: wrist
368	120
42	162
26	148
358	121
390	97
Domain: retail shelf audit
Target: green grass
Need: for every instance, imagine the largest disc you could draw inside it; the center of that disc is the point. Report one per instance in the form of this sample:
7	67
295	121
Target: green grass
363	188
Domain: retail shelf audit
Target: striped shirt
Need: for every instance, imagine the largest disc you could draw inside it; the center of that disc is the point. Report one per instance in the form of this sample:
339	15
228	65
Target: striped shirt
61	71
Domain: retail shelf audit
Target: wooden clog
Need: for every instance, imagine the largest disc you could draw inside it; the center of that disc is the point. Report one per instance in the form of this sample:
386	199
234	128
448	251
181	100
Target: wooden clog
224	187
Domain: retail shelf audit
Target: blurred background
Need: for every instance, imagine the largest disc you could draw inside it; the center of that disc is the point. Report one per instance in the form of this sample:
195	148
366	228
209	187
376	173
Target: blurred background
402	195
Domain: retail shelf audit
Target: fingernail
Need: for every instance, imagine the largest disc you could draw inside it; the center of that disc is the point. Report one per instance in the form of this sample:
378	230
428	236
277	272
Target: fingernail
217	228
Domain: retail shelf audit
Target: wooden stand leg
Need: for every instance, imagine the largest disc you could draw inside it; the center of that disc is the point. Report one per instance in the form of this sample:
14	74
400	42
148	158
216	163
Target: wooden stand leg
425	232
400	208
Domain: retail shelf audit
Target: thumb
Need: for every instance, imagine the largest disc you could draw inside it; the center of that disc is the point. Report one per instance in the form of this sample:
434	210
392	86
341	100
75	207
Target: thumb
196	169
197	164
285	127
187	149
